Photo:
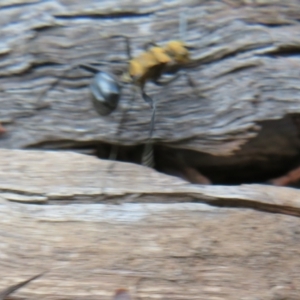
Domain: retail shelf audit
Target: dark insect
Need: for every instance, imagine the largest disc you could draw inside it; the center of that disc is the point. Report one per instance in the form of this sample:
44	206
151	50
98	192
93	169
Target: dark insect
151	65
122	294
13	288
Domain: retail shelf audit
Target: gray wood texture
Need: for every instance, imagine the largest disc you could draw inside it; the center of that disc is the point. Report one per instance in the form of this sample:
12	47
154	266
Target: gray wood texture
96	226
63	177
248	72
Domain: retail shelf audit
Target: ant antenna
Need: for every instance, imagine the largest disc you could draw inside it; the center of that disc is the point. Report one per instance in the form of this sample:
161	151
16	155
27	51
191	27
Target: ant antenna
148	155
64	73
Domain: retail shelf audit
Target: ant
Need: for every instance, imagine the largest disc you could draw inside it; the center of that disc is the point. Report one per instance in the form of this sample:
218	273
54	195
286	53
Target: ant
149	66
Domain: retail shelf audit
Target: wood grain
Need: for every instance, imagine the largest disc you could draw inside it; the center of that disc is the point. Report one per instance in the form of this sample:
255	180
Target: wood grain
171	249
98	225
247	72
64	177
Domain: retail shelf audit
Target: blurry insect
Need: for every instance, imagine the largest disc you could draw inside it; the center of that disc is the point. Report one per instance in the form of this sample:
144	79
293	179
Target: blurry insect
2	129
122	294
149	66
11	289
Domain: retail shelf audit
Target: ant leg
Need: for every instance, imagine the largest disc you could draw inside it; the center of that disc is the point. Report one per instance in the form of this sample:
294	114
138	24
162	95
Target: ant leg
190	81
147	45
192	84
166	82
89	68
147	156
114	150
132	99
152	104
147	98
152	119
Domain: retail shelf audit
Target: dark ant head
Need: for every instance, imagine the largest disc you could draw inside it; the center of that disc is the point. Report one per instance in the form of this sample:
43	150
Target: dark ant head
106	92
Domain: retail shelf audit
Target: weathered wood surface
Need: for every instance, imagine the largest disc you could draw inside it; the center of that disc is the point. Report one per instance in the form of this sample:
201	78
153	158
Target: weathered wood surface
157	250
248	72
57	177
99	225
